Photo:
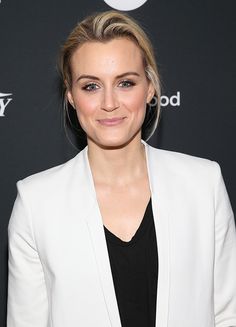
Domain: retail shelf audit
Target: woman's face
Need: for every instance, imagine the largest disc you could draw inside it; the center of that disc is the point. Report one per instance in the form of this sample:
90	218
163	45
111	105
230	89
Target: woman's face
110	91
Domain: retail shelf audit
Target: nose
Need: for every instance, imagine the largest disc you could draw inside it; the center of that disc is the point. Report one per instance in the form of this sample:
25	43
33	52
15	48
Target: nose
110	101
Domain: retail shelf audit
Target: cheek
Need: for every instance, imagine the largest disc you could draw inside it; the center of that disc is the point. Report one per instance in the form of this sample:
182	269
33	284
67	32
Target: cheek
137	103
85	106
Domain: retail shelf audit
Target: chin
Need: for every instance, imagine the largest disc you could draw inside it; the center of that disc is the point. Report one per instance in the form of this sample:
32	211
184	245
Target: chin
115	142
112	144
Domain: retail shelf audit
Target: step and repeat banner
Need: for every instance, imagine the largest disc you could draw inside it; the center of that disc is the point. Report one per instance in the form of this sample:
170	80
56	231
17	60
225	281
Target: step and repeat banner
194	44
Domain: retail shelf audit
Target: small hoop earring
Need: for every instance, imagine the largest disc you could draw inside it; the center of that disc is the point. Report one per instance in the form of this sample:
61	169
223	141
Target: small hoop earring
153	102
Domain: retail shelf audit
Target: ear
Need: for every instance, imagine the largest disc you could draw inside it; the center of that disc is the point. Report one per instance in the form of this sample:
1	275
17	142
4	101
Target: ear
70	98
151	92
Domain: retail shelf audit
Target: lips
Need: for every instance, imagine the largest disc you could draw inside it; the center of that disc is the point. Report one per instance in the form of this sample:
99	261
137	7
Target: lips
111	121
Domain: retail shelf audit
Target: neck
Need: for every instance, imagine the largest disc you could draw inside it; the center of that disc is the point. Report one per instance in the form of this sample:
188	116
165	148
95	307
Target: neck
117	166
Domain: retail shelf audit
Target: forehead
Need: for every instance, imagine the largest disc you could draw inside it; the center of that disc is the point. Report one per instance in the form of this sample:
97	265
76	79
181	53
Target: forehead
115	55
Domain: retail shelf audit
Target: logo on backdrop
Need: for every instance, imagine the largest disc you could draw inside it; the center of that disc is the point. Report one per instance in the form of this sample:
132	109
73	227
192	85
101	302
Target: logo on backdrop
173	100
5	99
125	4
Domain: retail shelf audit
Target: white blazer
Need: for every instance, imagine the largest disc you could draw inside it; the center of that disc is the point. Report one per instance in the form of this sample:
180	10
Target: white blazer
59	269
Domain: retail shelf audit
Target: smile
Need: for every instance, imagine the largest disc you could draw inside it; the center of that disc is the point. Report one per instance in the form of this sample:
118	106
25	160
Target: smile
111	121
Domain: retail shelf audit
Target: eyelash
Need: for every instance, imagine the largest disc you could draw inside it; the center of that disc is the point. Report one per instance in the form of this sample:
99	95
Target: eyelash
86	87
131	83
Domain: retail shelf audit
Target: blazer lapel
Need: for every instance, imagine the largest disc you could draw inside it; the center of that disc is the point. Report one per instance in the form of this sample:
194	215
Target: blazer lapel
96	231
161	203
158	180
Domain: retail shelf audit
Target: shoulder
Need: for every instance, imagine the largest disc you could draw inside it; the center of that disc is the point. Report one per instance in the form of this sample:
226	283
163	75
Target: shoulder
174	157
183	165
188	176
52	178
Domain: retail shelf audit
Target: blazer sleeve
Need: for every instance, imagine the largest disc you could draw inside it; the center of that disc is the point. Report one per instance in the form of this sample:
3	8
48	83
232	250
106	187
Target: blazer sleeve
225	257
27	303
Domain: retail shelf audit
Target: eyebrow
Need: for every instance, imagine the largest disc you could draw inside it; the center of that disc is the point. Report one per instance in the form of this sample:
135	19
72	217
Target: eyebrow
96	78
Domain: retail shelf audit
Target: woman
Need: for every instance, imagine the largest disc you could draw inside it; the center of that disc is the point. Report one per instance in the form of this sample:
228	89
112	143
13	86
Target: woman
122	234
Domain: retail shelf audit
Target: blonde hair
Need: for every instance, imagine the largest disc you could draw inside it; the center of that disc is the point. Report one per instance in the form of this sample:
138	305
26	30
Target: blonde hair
106	26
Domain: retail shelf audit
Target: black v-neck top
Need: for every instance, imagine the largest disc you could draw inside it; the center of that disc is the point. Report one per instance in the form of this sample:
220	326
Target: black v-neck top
134	266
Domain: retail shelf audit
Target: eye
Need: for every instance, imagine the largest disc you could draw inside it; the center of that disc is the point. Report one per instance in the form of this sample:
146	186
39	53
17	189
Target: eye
90	87
127	83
